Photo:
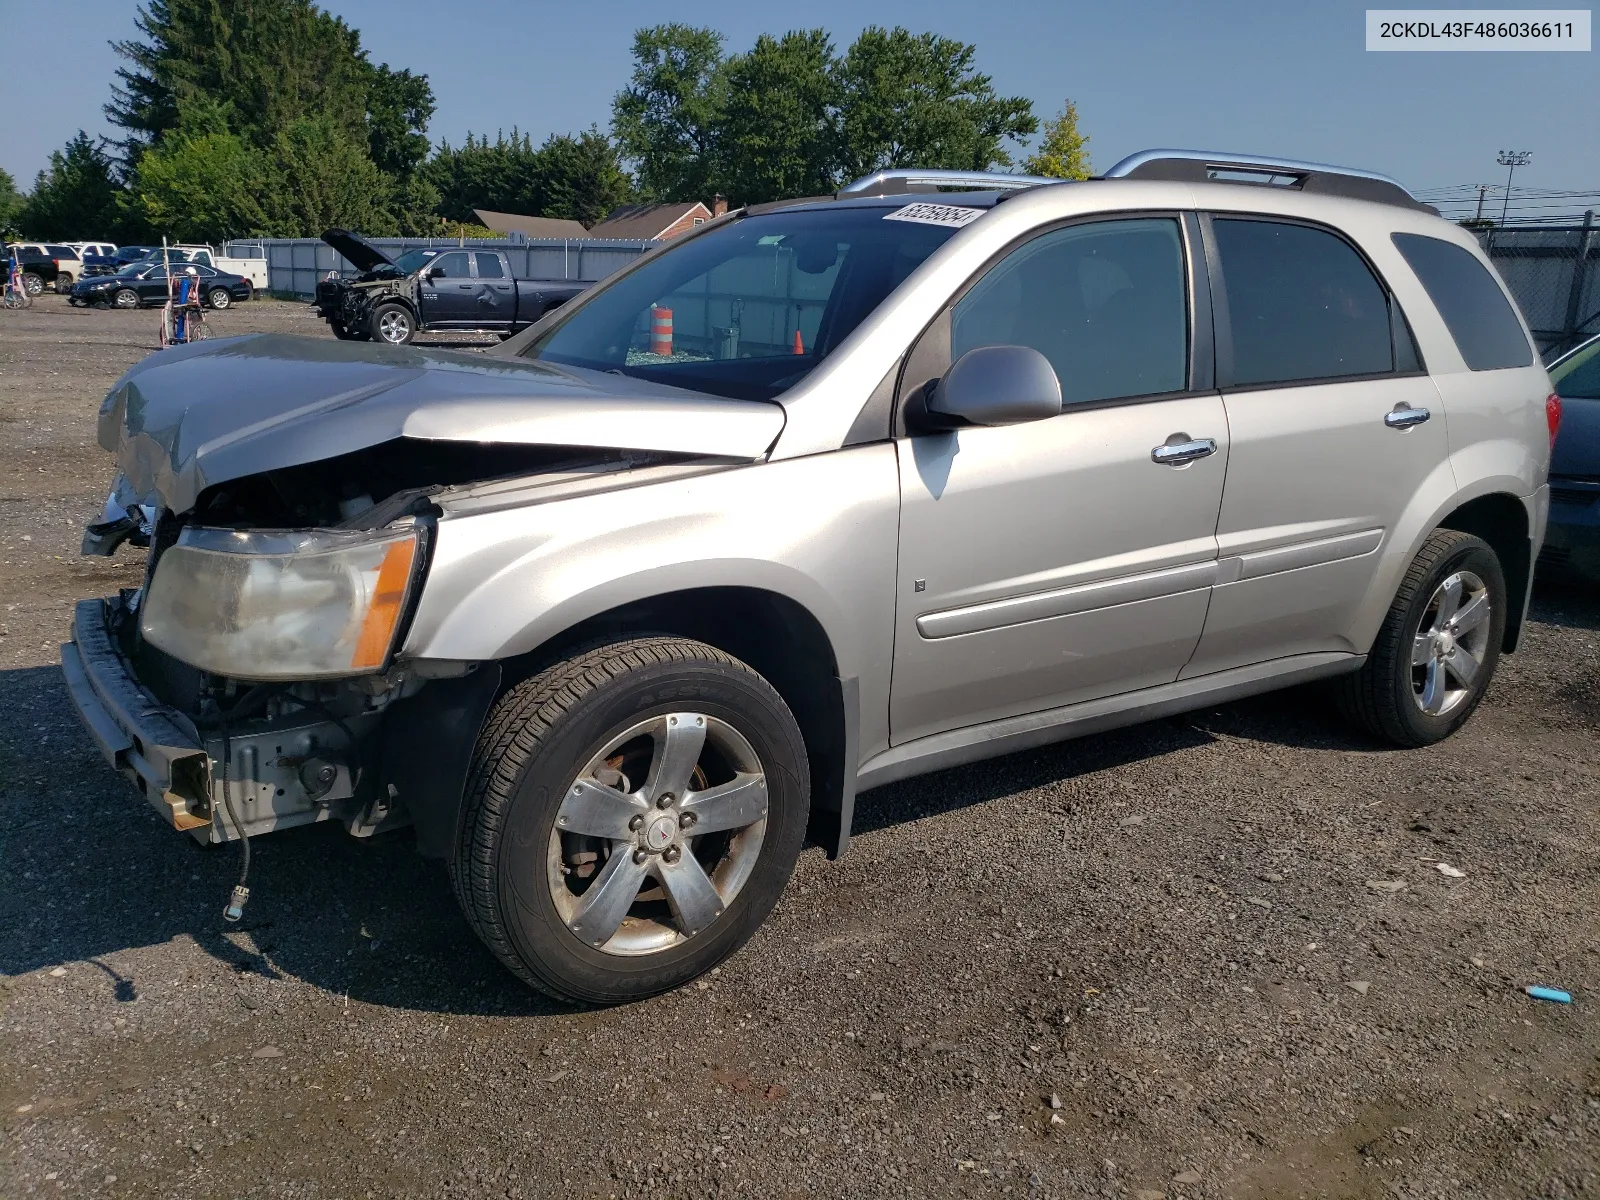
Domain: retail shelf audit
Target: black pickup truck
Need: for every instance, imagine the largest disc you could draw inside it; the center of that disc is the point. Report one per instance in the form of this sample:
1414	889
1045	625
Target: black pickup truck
438	288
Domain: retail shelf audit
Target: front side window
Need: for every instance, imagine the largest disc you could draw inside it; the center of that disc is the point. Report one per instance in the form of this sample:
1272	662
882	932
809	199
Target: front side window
1475	310
489	266
1302	304
450	266
1104	302
747	309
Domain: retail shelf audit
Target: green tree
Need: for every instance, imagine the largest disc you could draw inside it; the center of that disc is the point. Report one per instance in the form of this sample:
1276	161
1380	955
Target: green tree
75	197
324	178
1063	153
915	100
10	201
665	121
579	178
198	187
779	125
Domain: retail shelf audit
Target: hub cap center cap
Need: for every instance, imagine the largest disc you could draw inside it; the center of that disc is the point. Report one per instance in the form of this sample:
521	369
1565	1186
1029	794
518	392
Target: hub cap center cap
659	833
1446	642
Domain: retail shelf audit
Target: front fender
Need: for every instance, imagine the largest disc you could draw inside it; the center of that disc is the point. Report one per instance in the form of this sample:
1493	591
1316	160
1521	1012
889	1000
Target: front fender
820	531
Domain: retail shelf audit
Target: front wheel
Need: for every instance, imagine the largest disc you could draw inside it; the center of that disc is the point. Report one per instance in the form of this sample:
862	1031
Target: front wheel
631	816
394	324
1438	647
219	298
126	298
33	284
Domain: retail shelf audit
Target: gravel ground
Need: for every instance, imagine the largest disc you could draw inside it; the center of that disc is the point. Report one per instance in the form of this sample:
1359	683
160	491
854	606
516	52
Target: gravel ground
1214	956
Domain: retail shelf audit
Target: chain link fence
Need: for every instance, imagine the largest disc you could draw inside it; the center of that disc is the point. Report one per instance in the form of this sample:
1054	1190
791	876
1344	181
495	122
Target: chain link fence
1554	273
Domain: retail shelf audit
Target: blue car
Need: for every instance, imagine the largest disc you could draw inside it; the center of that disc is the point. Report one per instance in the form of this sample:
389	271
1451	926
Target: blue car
1572	541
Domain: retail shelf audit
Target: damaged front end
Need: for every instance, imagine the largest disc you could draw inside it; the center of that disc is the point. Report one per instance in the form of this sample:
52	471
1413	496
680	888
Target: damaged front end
291	495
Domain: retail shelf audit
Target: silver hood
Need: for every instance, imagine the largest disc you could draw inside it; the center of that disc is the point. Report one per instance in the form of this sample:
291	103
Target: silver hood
198	415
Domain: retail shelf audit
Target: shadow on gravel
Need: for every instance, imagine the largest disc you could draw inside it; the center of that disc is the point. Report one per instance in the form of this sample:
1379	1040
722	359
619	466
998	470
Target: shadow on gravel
88	870
1567	601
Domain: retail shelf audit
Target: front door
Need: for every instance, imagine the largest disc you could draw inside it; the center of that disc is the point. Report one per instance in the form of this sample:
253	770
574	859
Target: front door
1057	561
446	289
1334	429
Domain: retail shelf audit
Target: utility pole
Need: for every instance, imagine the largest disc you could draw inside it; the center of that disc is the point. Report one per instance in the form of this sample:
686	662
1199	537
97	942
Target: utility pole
1511	160
1483	189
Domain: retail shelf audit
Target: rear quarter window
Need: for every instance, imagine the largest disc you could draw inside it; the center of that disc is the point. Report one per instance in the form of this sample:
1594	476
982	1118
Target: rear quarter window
1469	299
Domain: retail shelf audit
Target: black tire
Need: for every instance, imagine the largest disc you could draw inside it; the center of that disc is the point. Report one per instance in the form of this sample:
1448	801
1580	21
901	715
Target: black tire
539	735
63	284
344	334
219	298
1381	698
32	284
125	298
392	324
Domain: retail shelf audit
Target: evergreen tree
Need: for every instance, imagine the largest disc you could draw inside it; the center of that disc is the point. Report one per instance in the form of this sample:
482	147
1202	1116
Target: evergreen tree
10	203
1063	152
75	197
665	121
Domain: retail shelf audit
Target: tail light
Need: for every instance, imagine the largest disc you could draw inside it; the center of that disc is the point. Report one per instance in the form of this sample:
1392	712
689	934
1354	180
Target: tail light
1552	416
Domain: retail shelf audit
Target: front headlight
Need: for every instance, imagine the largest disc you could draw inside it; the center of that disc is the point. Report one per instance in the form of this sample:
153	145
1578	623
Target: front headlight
281	605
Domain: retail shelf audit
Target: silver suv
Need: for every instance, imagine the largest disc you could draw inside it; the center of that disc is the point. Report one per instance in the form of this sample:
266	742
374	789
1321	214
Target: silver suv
826	494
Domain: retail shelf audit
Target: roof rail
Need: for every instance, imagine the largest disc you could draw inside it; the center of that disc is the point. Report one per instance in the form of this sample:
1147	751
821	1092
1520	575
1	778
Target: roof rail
895	181
1206	166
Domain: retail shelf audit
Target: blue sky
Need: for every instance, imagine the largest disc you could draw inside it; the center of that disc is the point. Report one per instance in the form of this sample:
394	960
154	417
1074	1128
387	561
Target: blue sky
1289	79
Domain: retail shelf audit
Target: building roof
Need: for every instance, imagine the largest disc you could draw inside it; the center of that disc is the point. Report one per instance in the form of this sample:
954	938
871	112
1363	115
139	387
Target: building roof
534	227
646	220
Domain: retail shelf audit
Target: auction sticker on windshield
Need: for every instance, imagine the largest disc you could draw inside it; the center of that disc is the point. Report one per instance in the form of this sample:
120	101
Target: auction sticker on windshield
936	214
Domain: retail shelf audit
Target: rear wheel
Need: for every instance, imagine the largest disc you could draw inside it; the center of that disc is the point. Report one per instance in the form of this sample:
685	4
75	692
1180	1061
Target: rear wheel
632	814
393	323
219	297
33	284
1438	647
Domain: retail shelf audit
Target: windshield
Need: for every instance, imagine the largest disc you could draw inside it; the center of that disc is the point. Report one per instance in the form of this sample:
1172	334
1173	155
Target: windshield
411	260
747	310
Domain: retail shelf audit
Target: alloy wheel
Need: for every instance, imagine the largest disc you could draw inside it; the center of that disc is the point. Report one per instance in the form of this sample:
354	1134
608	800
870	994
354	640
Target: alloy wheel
1452	638
658	834
394	327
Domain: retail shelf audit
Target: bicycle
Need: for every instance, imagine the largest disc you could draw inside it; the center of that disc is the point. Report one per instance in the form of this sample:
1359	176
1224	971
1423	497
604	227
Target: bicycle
16	294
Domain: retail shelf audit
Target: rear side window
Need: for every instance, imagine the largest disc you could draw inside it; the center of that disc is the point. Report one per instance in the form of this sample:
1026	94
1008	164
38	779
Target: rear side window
1578	378
1104	302
1475	310
1302	304
489	266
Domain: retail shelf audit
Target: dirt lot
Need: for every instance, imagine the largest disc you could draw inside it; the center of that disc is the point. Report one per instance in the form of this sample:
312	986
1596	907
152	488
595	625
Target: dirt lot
1172	933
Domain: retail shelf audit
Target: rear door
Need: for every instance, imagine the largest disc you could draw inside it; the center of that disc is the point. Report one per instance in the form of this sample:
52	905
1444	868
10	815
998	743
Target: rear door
1060	560
445	289
496	298
1334	428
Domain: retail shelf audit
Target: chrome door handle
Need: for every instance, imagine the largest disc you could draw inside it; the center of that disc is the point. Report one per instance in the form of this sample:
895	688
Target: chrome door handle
1403	416
1181	449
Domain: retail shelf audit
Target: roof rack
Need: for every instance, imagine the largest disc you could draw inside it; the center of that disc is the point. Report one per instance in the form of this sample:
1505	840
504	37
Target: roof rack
896	181
1204	166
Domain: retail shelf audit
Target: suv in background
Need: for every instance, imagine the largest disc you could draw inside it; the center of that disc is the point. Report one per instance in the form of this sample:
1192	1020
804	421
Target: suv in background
1573	543
819	496
38	268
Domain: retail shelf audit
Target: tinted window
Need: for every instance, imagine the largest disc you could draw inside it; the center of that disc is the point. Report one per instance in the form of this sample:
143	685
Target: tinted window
1103	302
450	266
1578	377
61	252
489	266
748	309
1303	304
1475	310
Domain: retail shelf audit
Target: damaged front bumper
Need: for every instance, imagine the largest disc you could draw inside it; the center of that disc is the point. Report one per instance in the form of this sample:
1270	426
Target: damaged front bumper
290	770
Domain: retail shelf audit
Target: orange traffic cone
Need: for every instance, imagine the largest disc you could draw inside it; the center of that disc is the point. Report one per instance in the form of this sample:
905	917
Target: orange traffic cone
799	343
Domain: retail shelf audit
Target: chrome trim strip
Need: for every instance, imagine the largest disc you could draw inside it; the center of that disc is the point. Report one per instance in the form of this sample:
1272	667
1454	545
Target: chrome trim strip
1309	554
1060	602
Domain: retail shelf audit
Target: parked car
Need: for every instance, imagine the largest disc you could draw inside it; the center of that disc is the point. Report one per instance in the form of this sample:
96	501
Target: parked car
144	283
1572	544
110	264
392	299
254	269
816	497
39	269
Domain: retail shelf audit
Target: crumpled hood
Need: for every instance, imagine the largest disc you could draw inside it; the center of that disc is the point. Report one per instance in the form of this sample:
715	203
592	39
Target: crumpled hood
192	416
358	252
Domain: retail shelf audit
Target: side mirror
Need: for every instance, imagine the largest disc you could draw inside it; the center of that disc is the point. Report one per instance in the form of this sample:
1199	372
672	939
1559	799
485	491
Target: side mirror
435	272
995	385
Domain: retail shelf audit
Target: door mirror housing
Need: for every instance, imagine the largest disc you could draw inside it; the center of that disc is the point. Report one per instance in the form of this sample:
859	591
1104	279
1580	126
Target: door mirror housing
433	273
995	385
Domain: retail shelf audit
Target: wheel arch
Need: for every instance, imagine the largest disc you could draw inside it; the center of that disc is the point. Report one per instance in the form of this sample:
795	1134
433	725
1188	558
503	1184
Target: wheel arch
1501	520
773	633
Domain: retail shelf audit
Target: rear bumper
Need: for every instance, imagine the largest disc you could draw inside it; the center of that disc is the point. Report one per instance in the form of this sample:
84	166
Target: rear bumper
152	744
1572	537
